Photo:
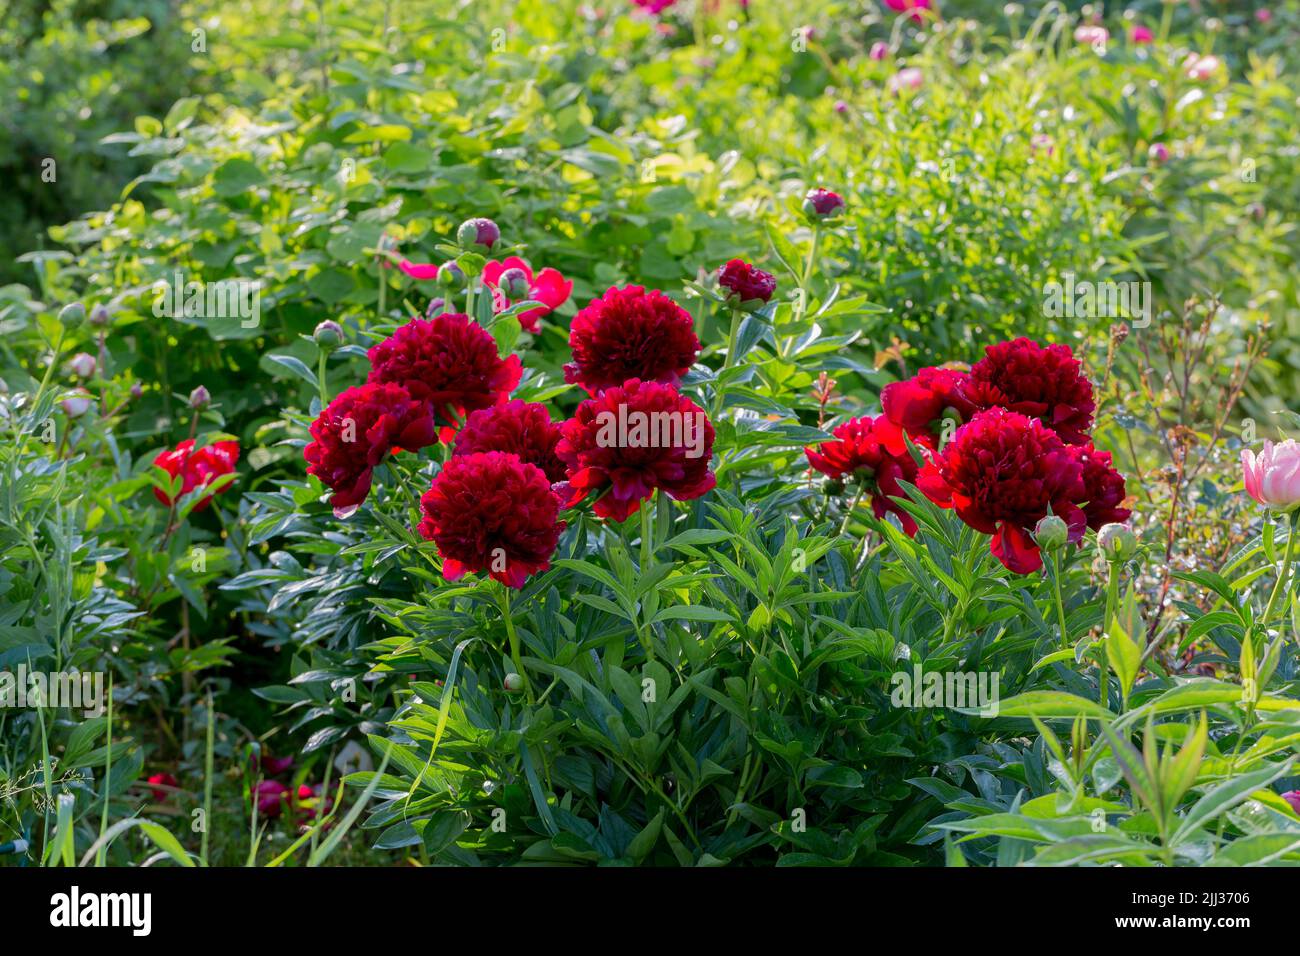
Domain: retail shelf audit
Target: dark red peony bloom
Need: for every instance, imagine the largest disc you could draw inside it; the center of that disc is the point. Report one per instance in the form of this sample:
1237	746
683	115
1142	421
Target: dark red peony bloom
449	361
271	796
272	766
874	451
163	780
521	428
356	430
822	203
1103	487
490	511
1002	472
745	283
919	404
548	287
311	802
632	439
630	333
197	468
1043	383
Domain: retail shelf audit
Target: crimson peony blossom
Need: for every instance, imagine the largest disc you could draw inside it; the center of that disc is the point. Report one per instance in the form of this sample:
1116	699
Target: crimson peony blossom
874	451
654	6
632	439
1043	383
1103	487
521	428
196	468
270	796
630	333
163	780
354	433
919	404
491	511
746	284
547	287
449	361
1142	35
1003	472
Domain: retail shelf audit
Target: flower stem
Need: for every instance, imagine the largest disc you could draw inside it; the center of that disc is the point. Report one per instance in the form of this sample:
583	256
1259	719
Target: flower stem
1060	603
848	515
320	379
513	637
1112	602
733	337
1280	585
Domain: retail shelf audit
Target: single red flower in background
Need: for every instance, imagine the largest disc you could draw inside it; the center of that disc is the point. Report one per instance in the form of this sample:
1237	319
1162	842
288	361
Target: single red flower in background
490	511
270	796
606	454
746	284
310	803
1046	383
165	780
1002	472
196	468
874	451
630	333
271	766
919	404
521	428
1103	487
449	361
547	287
356	430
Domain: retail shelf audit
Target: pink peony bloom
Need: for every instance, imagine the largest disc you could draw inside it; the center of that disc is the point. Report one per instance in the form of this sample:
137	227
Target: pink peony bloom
1201	67
1091	34
903	6
879	50
906	79
1159	153
1142	35
1273	476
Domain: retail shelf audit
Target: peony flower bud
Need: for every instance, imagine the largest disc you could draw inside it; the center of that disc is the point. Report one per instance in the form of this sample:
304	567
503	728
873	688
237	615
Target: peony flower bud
822	204
436	307
451	275
83	365
72	315
514	682
879	50
1159	153
513	283
99	316
1117	541
200	399
743	283
328	335
136	389
479	234
77	404
1273	476
1051	533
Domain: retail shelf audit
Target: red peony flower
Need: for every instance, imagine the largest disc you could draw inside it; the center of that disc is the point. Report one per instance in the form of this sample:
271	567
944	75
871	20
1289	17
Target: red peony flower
630	333
356	430
196	468
271	766
745	283
270	796
632	439
163	780
822	204
491	511
920	403
1002	472
311	803
1043	383
1103	487
449	361
548	287
874	451
521	428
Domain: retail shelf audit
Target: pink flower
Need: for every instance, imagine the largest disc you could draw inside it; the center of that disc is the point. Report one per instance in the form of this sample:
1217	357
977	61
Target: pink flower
1041	142
1273	476
1141	35
547	287
1263	15
1293	797
1159	153
1201	67
906	79
1091	34
903	6
879	50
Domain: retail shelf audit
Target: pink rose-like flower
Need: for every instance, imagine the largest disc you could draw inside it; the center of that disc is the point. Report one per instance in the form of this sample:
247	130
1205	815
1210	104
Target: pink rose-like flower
1273	476
879	50
915	6
1142	35
1091	34
1201	67
909	78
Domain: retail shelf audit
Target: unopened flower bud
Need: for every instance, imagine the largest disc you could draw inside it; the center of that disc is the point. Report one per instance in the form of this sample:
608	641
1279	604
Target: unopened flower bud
1159	153
479	234
328	335
83	365
822	204
1051	533
77	404
200	399
436	307
514	682
451	275
72	315
136	389
513	283
1117	541
99	316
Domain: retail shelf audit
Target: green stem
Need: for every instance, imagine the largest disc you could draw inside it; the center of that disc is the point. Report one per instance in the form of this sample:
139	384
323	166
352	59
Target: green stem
647	553
733	337
1060	603
320	379
848	515
513	637
1280	585
1112	602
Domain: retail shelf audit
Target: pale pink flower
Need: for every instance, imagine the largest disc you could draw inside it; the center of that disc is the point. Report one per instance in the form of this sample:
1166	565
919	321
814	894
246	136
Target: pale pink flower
1201	67
879	50
1091	34
906	79
1273	476
1159	153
